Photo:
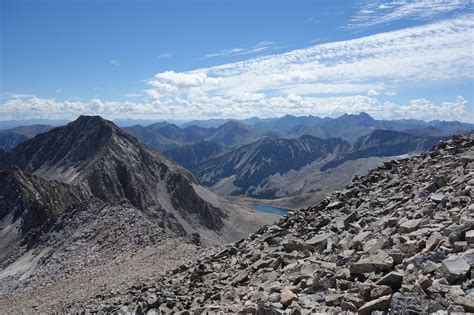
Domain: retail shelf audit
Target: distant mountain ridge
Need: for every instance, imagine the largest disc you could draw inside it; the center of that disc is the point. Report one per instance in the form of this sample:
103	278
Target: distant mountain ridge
165	136
233	132
9	138
248	169
193	154
385	143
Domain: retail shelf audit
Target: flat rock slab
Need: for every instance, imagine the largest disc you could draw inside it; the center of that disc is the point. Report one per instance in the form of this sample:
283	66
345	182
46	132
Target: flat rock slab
410	225
380	304
455	268
392	279
376	263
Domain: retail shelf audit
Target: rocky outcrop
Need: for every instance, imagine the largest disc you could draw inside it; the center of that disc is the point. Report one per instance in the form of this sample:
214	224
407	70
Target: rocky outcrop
36	201
28	205
399	239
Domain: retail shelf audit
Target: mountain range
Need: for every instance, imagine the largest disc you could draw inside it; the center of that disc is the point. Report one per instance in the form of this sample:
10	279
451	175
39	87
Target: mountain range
234	133
164	136
283	157
90	166
269	168
13	136
231	133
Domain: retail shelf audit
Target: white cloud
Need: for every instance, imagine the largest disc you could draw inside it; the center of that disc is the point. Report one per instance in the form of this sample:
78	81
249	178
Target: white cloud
368	65
240	106
182	79
377	12
349	73
372	93
115	62
240	51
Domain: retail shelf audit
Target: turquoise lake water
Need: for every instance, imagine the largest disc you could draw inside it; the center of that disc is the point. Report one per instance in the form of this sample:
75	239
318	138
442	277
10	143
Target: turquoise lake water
270	209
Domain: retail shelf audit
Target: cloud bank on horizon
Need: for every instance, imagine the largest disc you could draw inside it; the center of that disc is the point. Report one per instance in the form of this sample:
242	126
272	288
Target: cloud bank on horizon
328	79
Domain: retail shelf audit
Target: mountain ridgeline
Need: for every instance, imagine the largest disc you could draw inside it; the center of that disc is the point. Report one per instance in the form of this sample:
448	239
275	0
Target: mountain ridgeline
164	136
99	159
251	164
249	169
234	133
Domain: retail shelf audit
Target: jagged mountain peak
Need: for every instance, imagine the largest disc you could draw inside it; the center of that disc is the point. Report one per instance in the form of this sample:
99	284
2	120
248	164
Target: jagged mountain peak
94	154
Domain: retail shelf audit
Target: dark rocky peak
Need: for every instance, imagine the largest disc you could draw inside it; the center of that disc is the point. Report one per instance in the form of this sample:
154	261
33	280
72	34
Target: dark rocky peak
73	145
112	165
362	119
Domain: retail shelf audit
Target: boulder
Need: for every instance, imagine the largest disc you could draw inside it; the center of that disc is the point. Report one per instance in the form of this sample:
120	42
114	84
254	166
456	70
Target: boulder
376	263
433	241
379	291
455	268
410	225
287	296
380	304
470	237
317	240
393	279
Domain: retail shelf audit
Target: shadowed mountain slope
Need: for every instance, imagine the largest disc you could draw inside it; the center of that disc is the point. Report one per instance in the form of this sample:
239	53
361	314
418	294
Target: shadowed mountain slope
251	164
193	154
112	165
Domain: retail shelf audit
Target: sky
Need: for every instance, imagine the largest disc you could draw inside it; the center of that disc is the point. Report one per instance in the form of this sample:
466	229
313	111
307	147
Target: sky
236	59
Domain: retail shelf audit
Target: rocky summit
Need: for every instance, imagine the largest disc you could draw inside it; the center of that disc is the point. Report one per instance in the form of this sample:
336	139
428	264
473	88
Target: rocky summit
99	159
400	239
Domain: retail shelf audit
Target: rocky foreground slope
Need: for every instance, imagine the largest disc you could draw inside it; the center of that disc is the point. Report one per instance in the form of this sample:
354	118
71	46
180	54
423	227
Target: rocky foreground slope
399	239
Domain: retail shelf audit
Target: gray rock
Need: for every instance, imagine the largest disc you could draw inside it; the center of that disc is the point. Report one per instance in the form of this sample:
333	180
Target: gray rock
318	239
467	302
380	304
375	263
287	296
393	279
437	197
455	268
380	290
470	237
410	225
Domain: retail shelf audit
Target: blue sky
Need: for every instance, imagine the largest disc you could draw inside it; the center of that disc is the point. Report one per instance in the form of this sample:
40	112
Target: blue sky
216	59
